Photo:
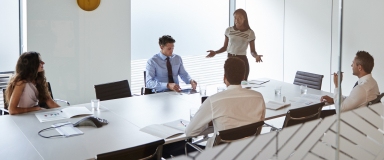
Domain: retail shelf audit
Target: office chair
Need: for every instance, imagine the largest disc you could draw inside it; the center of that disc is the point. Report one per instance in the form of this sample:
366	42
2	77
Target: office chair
113	90
56	100
4	110
377	100
230	135
300	115
312	80
145	90
143	152
304	114
41	104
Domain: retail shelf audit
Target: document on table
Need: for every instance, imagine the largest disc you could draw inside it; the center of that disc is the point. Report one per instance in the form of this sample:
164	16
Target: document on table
276	105
166	130
259	81
66	129
307	99
64	113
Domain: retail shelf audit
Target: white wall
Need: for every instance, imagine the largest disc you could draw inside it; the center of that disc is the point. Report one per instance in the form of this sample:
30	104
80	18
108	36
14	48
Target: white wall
362	30
266	18
9	34
192	23
307	38
80	48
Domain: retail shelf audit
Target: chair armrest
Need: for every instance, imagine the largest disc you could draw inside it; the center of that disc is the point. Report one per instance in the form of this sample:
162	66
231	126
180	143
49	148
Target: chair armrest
64	101
192	145
3	111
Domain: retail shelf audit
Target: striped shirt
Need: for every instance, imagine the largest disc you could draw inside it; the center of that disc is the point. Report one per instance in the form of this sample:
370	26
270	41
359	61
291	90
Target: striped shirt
238	40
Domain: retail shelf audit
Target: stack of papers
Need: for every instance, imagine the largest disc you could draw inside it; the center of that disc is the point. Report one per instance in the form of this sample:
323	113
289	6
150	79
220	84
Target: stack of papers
307	99
276	105
166	130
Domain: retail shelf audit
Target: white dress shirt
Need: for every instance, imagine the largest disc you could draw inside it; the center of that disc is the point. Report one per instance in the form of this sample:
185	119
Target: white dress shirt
365	91
228	109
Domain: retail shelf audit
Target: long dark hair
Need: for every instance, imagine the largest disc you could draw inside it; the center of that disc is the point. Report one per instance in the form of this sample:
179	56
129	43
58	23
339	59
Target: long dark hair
244	14
27	71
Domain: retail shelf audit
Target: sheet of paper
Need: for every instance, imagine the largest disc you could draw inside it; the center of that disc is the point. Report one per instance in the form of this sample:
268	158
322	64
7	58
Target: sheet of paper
161	131
276	105
66	129
178	124
51	116
62	114
307	99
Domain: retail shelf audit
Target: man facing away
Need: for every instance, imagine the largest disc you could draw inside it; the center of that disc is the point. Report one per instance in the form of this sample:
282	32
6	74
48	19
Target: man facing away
231	108
164	68
365	89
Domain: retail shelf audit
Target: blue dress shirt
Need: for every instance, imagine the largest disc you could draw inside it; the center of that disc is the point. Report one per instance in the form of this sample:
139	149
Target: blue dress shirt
157	73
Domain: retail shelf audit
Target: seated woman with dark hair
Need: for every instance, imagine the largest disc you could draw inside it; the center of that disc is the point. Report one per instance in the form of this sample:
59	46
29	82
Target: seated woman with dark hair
28	86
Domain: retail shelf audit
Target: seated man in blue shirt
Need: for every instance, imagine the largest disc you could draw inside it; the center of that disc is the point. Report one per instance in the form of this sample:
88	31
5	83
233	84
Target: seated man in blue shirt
164	68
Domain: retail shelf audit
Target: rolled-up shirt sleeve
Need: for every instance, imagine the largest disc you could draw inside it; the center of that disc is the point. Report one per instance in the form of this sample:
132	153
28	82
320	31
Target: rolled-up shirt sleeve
356	99
200	121
184	74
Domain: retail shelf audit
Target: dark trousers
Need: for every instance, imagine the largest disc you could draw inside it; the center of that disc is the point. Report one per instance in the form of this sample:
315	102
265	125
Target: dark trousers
245	60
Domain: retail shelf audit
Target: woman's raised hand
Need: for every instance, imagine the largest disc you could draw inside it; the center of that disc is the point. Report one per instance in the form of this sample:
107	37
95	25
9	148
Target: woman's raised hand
211	54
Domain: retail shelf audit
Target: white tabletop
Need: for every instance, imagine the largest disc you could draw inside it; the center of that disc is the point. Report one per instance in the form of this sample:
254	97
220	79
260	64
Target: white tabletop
126	116
14	145
290	91
118	134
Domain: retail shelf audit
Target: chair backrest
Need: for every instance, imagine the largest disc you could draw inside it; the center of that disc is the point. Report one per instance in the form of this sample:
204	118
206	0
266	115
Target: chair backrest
203	98
145	78
145	91
304	114
113	90
377	100
310	79
238	133
50	89
146	151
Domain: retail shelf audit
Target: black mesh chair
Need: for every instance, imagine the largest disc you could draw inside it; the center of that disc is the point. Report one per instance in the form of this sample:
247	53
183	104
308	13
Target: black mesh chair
4	109
304	114
312	80
377	100
56	100
113	90
143	152
301	115
230	135
145	90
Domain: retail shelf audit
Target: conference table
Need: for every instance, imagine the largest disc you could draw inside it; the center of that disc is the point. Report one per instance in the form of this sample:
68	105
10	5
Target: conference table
126	117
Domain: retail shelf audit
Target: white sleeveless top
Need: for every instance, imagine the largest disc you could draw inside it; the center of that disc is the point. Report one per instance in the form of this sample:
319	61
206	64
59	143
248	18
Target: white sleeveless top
29	98
238	41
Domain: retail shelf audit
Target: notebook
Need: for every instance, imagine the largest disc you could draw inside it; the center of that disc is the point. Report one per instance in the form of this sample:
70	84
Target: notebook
166	130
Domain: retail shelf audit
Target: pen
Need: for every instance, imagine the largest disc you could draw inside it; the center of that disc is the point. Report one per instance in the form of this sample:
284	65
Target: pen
183	124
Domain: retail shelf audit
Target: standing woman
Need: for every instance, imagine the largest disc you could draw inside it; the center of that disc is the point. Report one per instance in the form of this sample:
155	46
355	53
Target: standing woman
28	86
237	39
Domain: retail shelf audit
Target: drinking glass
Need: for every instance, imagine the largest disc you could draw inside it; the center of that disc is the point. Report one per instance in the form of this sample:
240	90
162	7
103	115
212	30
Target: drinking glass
303	89
95	103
